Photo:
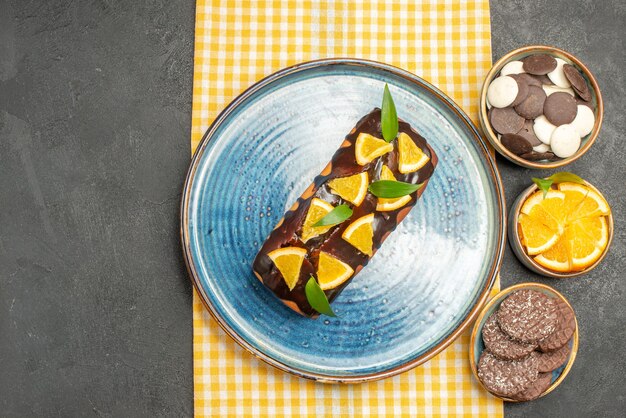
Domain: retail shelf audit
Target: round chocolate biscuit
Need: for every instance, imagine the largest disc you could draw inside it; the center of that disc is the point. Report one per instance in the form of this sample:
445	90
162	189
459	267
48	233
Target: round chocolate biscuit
528	132
553	359
539	64
505	120
517	144
507	377
535	389
564	330
522	93
539	156
528	315
560	108
582	94
532	106
527	79
544	80
577	81
501	345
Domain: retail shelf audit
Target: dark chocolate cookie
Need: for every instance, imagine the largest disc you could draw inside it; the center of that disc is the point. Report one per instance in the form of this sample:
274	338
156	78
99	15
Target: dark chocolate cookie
577	81
535	389
532	106
528	132
564	330
522	93
517	144
560	108
526	78
539	156
505	120
501	345
544	79
553	359
539	64
528	315
507	377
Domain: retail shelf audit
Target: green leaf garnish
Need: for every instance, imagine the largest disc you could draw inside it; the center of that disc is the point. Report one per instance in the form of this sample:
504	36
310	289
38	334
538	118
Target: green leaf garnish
317	298
565	176
390	189
545	184
336	216
388	117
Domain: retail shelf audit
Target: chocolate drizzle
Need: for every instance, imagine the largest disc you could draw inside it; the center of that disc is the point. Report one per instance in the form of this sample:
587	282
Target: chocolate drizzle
343	164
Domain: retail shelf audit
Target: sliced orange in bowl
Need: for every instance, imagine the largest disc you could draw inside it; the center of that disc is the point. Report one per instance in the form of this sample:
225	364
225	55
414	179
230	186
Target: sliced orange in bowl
367	148
317	210
597	228
536	236
557	257
331	272
383	204
574	195
360	234
548	210
351	188
288	260
582	247
577	216
410	157
592	205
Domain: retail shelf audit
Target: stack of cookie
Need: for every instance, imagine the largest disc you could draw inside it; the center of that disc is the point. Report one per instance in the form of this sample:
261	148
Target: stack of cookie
525	339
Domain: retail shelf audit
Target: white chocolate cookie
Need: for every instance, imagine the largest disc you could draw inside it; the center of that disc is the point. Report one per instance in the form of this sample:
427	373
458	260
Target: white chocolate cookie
513	67
565	141
502	91
557	76
542	148
554	89
584	121
543	129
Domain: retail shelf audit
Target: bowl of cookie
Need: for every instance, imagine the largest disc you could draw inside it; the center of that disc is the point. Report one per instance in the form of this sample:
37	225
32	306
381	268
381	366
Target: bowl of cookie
540	107
524	342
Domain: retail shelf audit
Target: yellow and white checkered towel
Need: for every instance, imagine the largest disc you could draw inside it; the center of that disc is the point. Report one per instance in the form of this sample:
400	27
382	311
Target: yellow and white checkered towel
239	42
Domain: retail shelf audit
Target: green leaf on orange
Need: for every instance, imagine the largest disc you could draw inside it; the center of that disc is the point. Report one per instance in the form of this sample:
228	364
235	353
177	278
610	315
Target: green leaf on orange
391	189
388	116
336	216
545	184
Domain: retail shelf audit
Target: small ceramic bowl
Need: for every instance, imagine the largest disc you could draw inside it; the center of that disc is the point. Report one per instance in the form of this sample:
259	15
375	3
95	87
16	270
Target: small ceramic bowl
528	261
476	340
519	54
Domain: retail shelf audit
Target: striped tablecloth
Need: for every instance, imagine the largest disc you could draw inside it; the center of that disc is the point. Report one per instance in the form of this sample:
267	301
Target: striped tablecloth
239	42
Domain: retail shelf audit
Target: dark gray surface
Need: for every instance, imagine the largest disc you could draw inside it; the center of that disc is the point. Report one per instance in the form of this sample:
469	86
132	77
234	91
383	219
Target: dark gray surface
95	305
95	101
594	31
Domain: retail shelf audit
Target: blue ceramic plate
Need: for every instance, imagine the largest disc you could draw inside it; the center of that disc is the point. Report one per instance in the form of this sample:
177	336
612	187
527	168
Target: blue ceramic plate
421	289
477	346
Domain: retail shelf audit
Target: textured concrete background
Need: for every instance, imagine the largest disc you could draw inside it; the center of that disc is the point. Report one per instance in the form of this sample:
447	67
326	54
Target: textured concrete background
95	304
95	102
595	32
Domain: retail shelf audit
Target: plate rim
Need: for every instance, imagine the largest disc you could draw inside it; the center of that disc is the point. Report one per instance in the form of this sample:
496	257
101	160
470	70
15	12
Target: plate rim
492	172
